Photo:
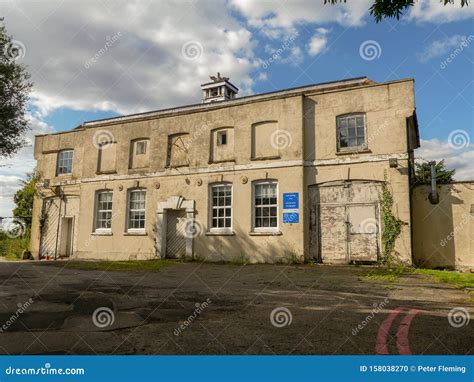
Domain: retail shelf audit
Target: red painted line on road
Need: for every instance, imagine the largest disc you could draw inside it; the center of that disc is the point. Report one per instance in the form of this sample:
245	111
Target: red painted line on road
403	344
381	346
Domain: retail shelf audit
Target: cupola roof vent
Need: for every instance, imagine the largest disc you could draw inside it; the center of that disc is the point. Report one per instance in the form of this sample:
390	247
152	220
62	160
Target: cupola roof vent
220	89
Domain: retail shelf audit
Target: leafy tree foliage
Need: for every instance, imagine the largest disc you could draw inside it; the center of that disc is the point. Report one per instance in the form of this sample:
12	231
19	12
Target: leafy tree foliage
14	95
392	8
24	199
423	173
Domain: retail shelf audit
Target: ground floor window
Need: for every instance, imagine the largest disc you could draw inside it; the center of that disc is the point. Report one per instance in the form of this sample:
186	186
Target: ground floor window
103	220
136	210
265	206
221	207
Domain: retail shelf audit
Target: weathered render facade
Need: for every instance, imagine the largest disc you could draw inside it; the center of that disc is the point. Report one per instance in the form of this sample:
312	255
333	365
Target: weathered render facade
443	233
291	175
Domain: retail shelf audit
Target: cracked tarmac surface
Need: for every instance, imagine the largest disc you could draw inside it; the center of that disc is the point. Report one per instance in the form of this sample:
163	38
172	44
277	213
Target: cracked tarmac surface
202	308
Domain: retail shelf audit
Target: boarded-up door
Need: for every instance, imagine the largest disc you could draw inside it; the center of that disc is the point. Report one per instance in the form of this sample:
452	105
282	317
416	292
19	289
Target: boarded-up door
176	234
363	232
333	234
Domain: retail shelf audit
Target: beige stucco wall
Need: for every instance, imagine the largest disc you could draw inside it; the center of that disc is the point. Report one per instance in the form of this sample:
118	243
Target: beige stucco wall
443	233
305	155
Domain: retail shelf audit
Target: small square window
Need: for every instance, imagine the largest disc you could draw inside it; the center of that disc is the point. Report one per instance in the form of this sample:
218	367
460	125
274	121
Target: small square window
140	148
221	138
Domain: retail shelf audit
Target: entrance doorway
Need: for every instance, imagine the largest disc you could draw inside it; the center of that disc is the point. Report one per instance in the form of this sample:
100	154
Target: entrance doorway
176	234
65	243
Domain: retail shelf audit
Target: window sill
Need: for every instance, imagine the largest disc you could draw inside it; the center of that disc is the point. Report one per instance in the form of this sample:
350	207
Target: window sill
265	233
106	172
352	152
173	166
101	233
220	233
137	233
266	158
222	161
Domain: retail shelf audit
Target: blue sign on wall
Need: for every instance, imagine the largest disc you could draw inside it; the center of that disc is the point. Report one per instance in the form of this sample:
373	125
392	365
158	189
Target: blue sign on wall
291	217
290	200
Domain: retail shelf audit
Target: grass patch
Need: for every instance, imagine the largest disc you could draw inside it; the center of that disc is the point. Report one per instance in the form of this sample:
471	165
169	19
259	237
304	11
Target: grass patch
388	274
458	279
132	265
12	248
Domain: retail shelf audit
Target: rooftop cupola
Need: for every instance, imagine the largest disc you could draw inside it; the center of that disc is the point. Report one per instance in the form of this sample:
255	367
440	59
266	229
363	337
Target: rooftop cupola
220	89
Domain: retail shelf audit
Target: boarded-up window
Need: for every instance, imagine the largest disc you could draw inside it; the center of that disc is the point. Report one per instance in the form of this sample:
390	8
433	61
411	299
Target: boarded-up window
107	158
263	136
139	153
178	150
222	144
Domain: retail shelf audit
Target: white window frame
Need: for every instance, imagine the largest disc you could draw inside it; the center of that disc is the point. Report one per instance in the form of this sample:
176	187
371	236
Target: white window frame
212	208
60	160
129	200
364	146
254	207
98	229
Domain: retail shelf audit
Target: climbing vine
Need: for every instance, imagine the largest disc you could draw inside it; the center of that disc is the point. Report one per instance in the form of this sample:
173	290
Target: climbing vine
392	226
43	219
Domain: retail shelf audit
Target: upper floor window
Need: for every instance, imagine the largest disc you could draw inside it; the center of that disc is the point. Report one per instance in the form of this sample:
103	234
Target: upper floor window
65	162
265	206
222	144
136	210
266	138
351	132
178	150
103	216
140	147
222	137
221	207
139	153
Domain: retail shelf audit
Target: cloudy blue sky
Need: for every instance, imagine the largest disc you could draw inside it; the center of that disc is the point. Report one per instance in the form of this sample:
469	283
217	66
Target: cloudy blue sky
94	59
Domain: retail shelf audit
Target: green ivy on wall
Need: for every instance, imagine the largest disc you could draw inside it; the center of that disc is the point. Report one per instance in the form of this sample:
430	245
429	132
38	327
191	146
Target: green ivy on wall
392	226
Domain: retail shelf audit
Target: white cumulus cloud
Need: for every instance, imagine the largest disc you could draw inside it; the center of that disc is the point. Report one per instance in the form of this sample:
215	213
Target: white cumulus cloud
318	42
440	47
434	11
128	56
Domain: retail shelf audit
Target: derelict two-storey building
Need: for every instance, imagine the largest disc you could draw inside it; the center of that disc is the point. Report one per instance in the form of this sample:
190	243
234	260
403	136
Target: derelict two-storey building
290	175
